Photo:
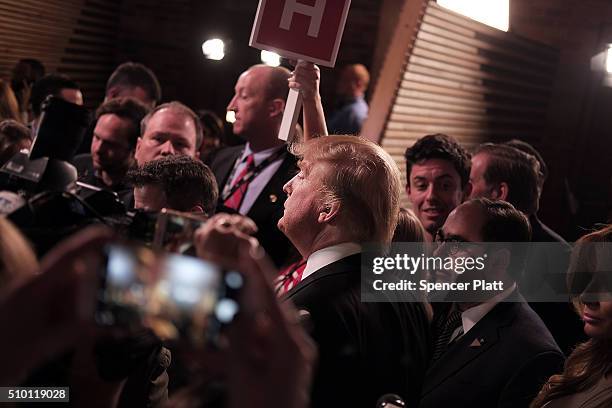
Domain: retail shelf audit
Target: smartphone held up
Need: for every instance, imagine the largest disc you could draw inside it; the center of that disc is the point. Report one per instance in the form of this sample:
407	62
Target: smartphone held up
177	296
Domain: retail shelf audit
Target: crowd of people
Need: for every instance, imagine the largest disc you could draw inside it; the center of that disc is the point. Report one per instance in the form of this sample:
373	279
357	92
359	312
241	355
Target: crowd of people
292	218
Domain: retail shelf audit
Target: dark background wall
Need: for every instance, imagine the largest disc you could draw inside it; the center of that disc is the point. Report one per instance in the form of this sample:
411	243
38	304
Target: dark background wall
578	140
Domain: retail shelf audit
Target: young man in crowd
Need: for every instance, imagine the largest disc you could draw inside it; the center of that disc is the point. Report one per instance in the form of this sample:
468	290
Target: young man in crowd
113	145
177	182
437	172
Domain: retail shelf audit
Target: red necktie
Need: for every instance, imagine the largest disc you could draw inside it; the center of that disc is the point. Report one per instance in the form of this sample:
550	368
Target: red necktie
289	277
235	200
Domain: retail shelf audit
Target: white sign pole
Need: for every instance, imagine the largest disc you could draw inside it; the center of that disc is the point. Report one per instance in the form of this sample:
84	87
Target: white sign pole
293	107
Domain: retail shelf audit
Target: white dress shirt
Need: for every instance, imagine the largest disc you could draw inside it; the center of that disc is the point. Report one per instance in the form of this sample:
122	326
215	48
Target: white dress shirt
325	256
473	315
256	185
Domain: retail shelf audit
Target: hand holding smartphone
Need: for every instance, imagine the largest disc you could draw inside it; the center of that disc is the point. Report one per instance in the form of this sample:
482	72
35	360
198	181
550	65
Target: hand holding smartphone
177	296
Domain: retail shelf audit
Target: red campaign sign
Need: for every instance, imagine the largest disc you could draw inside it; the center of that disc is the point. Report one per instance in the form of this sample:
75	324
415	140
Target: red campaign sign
310	30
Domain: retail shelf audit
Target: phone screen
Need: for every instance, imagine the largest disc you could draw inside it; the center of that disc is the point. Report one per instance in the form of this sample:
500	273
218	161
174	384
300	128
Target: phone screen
174	295
174	230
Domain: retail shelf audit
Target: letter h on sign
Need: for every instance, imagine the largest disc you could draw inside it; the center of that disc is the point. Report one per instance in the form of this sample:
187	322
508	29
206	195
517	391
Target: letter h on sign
308	30
315	12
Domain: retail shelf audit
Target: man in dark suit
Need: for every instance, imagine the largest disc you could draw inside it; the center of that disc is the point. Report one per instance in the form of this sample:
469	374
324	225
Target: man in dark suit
491	349
347	193
514	173
251	177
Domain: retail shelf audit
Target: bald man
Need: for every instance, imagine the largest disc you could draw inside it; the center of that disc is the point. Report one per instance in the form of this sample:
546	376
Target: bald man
251	176
351	108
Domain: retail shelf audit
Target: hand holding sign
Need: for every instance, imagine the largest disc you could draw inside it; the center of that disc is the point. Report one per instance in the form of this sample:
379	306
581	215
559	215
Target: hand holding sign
308	30
305	78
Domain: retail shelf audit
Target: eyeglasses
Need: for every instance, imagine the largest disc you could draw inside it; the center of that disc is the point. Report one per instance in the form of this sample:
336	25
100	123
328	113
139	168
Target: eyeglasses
452	242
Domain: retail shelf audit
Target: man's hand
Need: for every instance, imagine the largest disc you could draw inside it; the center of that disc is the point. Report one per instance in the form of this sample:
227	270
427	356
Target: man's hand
224	238
270	356
305	78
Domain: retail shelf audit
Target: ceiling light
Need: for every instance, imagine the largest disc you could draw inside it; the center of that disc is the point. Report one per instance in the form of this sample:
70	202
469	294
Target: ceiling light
214	49
270	58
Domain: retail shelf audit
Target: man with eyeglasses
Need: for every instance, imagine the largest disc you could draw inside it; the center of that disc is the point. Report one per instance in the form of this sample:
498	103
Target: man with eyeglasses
490	348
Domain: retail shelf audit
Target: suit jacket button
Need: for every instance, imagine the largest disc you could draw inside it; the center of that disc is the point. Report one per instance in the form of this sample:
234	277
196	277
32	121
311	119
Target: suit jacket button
273	198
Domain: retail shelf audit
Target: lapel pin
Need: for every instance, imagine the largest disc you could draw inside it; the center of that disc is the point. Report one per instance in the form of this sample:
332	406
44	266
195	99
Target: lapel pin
477	343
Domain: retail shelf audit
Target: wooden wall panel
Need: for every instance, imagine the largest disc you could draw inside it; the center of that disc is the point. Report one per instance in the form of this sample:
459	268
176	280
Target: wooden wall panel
73	37
465	79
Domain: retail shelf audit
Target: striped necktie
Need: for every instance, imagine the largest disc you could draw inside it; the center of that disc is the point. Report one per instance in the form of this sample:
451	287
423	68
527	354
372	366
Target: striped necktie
446	328
235	200
289	277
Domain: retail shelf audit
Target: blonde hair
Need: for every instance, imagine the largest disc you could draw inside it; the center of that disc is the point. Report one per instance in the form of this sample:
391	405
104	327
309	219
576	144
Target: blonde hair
409	227
17	260
363	178
9	108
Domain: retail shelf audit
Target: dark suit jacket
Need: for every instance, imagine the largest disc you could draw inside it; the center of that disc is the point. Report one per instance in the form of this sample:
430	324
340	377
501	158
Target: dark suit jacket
84	165
503	361
268	207
365	349
546	263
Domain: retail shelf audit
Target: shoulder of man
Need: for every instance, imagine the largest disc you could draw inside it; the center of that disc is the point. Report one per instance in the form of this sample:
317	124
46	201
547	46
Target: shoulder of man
224	154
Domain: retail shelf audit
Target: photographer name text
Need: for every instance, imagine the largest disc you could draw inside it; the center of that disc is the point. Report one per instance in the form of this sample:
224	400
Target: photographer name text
426	286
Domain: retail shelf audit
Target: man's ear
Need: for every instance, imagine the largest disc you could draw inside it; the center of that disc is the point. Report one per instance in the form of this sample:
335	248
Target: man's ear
276	107
329	211
408	188
500	192
111	93
138	141
500	262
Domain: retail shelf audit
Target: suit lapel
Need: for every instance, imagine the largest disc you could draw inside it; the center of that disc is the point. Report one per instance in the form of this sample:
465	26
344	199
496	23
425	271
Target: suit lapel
480	339
224	164
344	265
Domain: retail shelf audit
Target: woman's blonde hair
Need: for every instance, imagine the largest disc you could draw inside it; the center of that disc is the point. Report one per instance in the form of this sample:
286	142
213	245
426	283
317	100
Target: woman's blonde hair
592	360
